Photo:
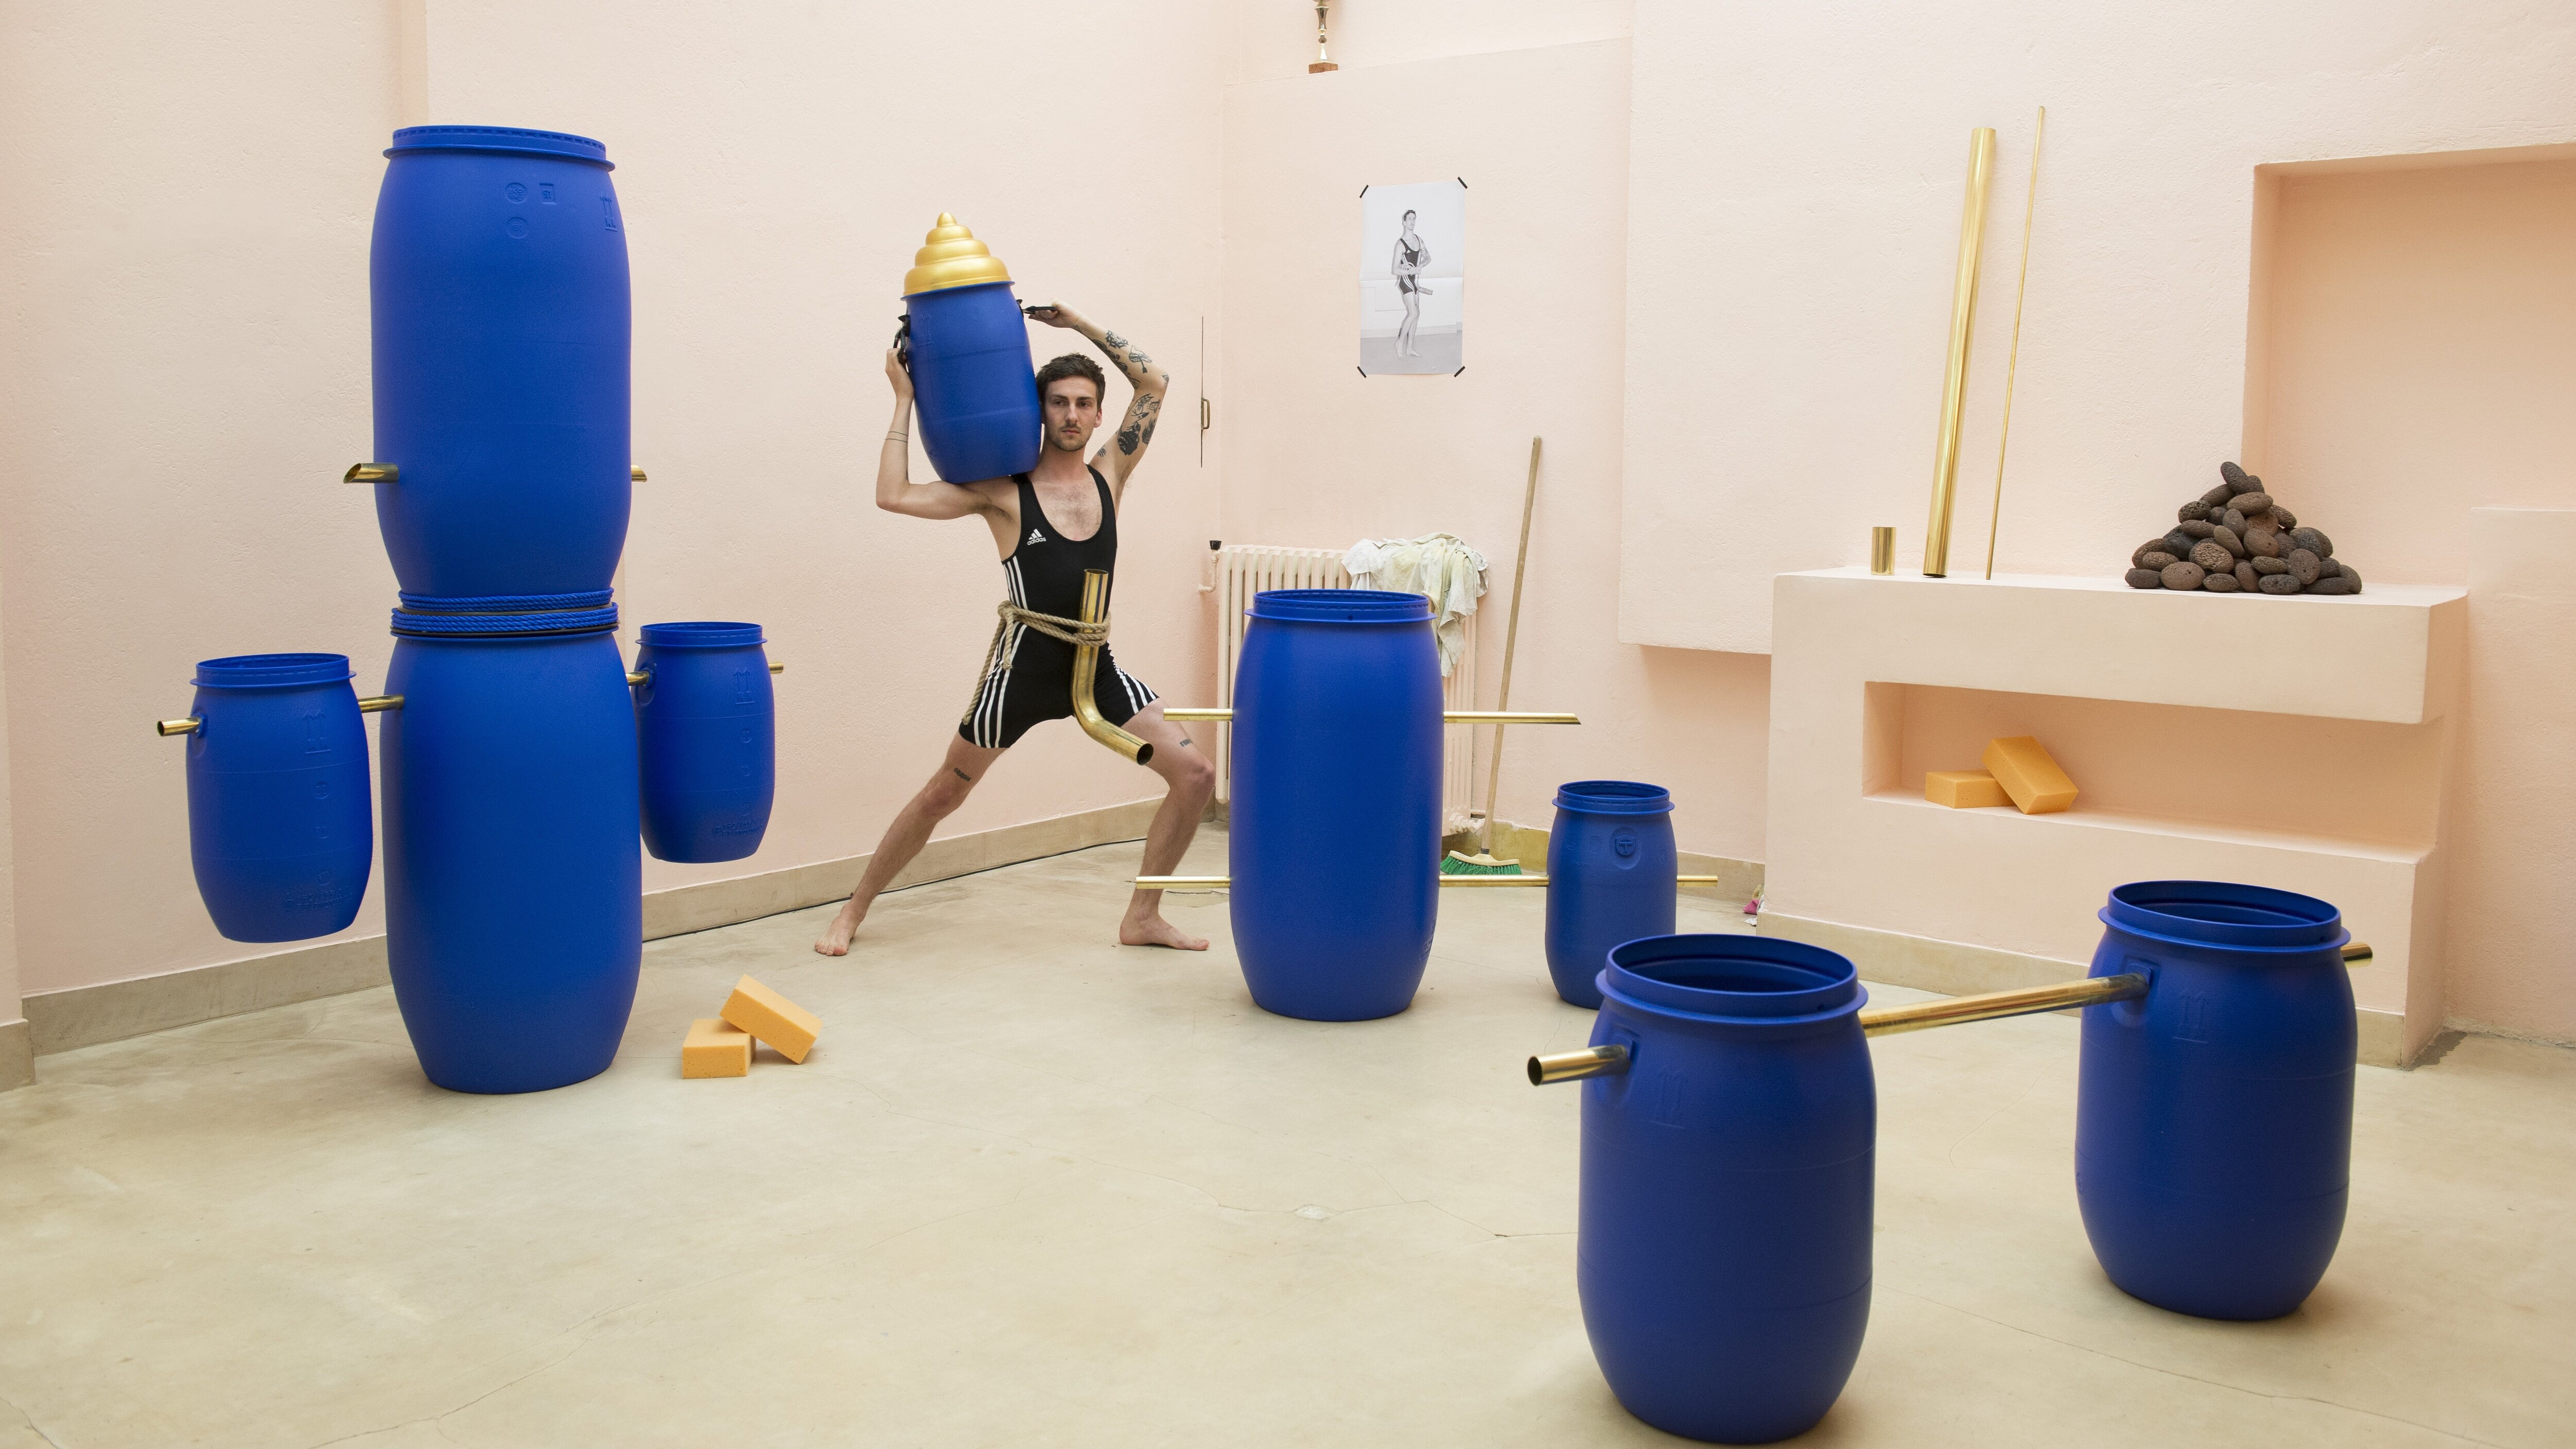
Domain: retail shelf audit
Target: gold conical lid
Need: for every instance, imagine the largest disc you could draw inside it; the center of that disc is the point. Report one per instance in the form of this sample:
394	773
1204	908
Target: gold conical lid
951	257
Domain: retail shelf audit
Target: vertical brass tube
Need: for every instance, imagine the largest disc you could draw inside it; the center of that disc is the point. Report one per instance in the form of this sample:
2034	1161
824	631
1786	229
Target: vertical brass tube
1086	668
1954	379
1882	550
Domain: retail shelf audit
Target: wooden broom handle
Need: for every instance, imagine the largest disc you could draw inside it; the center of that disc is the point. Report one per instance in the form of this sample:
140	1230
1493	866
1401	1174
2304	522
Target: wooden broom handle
1511	642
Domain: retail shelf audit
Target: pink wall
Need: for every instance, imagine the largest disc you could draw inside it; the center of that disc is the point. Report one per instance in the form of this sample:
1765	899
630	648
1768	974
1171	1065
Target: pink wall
1318	455
1795	182
2419	336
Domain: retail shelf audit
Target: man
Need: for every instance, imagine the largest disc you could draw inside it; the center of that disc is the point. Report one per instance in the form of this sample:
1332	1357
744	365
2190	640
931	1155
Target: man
1050	524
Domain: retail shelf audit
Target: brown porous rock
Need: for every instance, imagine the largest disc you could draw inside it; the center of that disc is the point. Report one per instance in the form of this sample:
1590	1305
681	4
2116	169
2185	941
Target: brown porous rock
2234	476
2184	575
2250	504
2196	508
2196	528
2279	584
2282	516
2217	497
2245	576
2267	565
2263	542
2335	585
2313	541
2139	557
2159	561
2221	584
2226	538
2146	579
2303	566
2212	558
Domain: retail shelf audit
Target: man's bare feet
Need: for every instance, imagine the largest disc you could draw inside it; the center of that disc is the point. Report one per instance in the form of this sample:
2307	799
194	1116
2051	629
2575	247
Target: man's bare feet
836	936
1152	931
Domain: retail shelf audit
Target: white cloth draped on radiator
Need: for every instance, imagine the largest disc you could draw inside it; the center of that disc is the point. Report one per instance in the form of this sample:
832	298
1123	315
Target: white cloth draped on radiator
1438	566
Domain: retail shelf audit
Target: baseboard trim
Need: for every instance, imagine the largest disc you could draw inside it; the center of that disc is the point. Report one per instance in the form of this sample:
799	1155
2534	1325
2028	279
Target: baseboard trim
61	1021
1954	968
17	1055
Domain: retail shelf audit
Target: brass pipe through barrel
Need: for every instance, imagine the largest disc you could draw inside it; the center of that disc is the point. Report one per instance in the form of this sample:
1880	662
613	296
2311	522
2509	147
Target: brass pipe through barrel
392	473
370	704
1449	717
638	676
1086	668
1220	882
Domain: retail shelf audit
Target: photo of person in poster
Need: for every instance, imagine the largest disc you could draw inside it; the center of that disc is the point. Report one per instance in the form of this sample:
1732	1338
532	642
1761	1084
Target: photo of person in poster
1413	278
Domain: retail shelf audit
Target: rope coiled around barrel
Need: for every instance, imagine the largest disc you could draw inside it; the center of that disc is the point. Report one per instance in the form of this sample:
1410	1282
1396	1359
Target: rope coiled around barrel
1054	626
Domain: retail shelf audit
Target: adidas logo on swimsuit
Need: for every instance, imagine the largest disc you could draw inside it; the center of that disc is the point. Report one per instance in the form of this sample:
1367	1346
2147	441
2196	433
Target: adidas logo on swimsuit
1036	537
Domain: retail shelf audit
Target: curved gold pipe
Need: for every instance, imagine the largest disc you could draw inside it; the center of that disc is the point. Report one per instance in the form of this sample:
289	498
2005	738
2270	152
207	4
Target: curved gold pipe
1086	668
1455	716
372	473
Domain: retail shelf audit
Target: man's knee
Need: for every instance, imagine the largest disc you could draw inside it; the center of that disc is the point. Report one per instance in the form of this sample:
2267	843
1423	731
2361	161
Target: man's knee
1192	770
944	794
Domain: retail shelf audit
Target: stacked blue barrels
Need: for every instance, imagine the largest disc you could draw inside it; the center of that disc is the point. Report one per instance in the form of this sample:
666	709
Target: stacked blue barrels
513	873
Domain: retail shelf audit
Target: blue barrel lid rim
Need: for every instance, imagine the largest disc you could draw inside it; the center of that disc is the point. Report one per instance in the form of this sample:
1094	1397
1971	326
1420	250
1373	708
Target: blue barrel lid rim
272	671
702	634
1794	984
1614	797
2217	918
502	140
1340	606
412	603
409	625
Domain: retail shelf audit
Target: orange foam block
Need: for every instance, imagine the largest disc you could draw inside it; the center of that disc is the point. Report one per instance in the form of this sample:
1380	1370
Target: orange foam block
788	1028
2029	775
1963	789
713	1049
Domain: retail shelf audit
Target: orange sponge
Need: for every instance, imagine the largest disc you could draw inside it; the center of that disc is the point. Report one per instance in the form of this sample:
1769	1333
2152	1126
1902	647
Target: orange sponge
1963	789
2029	775
788	1028
713	1049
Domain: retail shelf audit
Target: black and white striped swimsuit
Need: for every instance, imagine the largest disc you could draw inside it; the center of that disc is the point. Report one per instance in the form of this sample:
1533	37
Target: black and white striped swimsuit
1033	682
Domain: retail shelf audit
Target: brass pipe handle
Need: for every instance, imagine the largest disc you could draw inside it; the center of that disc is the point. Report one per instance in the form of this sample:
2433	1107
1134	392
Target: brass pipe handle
372	473
377	703
2356	953
1600	1061
168	727
1922	1016
634	475
635	677
1086	669
1455	716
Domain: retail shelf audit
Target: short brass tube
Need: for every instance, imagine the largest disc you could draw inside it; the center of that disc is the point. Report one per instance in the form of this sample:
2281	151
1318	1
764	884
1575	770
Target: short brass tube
2356	953
1600	1061
1086	668
372	473
376	703
1922	1016
168	727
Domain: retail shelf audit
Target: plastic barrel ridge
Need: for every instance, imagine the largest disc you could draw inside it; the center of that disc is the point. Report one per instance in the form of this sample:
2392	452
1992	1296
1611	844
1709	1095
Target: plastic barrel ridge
1335	843
2213	1119
501	324
514	912
1610	878
707	740
280	829
1722	1250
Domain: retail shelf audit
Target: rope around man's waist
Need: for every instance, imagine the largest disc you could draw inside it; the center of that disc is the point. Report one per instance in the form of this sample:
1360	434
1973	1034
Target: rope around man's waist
1054	626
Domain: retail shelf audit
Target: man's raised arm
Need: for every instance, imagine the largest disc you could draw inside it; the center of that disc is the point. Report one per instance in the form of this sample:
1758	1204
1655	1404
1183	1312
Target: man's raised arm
1118	457
896	492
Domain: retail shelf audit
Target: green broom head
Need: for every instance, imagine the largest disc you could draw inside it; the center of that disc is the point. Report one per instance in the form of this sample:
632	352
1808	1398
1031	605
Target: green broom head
1480	864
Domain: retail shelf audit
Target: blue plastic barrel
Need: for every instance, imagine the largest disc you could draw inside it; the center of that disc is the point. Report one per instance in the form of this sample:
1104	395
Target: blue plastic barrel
1723	1246
1610	878
707	739
1334	845
974	388
279	827
513	882
2213	1118
500	306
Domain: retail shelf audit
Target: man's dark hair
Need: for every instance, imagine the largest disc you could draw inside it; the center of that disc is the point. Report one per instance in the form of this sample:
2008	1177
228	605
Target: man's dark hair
1074	364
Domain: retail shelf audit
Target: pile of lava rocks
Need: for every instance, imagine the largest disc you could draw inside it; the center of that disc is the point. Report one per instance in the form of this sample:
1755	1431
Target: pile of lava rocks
2236	539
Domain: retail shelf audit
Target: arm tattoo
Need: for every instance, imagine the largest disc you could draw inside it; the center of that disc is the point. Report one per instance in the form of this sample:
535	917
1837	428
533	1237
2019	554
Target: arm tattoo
1138	429
1126	356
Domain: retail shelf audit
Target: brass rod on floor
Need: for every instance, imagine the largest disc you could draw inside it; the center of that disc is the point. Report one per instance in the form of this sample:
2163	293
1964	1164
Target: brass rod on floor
1922	1016
1449	717
1220	882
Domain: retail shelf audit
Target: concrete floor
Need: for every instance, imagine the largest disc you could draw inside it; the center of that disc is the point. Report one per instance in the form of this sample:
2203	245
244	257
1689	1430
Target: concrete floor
1035	1189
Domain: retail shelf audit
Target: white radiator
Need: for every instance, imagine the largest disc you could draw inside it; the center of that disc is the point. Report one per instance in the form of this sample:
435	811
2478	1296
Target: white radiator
1245	569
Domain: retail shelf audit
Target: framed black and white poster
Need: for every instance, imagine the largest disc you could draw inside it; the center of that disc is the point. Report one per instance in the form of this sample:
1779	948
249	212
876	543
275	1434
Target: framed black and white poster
1413	277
